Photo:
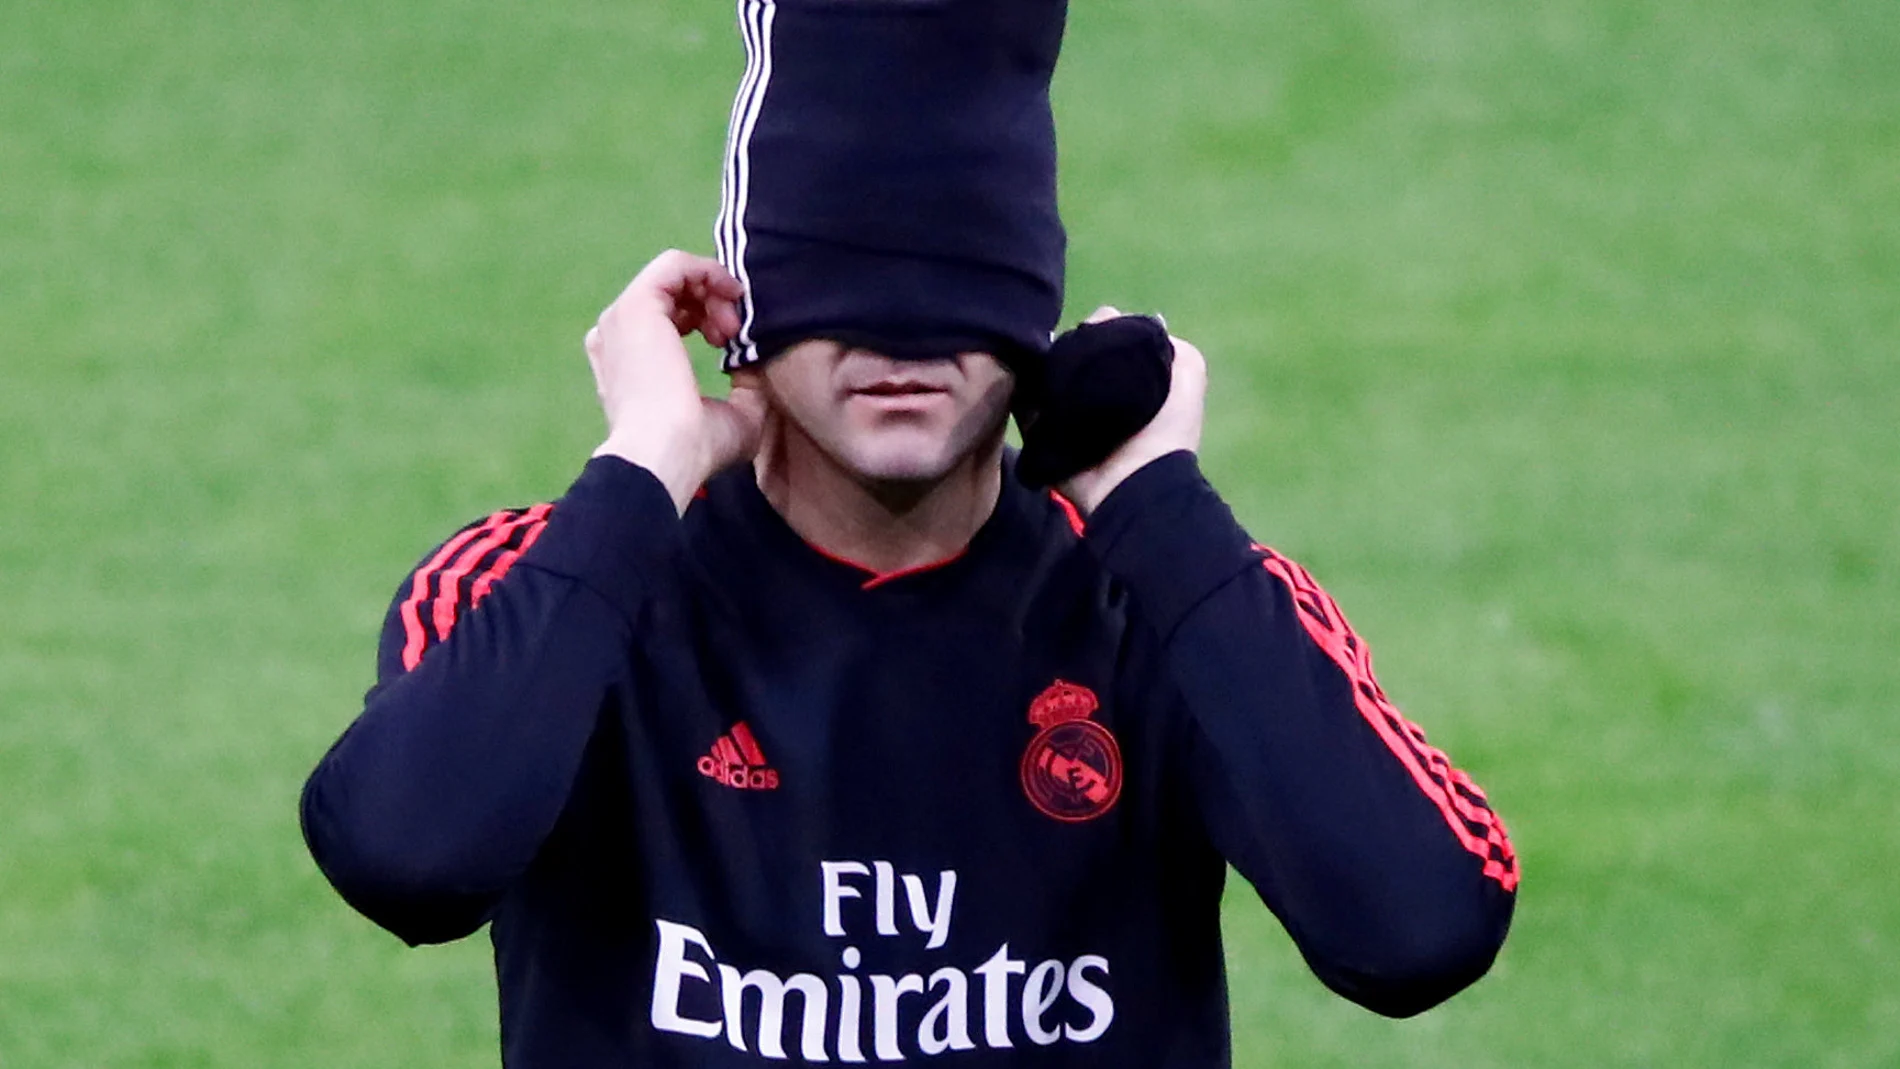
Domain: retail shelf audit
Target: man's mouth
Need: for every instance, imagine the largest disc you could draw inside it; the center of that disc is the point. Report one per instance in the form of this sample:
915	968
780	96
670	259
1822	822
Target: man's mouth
899	389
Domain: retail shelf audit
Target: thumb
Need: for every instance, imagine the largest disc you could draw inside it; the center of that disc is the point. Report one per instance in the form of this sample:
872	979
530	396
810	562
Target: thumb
732	427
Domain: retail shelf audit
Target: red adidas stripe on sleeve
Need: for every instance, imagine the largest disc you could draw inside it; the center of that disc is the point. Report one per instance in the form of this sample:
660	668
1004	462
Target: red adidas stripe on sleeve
444	581
509	557
413	632
449	591
1460	800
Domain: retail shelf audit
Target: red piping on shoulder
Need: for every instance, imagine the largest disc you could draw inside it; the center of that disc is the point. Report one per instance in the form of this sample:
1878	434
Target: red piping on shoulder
415	634
467	551
448	592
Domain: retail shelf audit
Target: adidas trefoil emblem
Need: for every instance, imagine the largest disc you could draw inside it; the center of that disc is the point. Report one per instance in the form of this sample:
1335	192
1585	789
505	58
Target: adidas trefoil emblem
736	761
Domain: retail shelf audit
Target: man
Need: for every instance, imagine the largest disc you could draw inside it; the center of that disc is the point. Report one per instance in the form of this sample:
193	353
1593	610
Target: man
865	751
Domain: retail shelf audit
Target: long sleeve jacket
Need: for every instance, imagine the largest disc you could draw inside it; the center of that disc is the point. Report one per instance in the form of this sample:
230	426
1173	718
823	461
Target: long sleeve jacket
725	799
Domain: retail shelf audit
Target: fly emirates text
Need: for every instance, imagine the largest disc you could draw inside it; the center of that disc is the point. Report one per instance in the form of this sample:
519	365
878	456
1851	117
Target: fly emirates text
998	1003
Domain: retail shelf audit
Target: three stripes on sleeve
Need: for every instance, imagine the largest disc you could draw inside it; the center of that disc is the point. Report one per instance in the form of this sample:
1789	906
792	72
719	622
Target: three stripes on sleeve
1459	800
456	578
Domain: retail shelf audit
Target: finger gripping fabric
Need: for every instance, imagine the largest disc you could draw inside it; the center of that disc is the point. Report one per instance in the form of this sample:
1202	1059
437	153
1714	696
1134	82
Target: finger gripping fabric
1096	387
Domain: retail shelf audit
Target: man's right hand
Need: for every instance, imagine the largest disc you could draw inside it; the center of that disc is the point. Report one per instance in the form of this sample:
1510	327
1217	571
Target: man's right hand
656	416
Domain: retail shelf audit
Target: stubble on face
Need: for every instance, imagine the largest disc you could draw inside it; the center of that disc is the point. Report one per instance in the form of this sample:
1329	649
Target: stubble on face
890	423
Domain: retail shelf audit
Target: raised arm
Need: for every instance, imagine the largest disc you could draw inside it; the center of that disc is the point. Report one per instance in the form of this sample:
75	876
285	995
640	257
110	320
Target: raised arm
1384	862
501	653
496	661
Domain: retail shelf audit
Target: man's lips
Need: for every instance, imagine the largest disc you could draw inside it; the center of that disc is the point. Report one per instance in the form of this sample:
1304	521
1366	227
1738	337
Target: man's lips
896	388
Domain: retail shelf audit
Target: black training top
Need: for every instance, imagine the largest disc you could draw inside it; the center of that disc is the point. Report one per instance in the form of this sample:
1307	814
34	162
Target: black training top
726	799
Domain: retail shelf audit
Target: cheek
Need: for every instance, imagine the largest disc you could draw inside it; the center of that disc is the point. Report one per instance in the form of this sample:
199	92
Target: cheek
803	403
988	406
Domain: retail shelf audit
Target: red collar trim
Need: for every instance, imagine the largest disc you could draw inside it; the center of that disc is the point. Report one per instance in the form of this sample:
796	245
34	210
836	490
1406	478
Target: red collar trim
876	578
1069	511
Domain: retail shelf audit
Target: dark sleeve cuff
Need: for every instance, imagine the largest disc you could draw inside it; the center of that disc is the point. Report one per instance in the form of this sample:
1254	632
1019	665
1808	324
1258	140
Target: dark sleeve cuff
614	532
1169	537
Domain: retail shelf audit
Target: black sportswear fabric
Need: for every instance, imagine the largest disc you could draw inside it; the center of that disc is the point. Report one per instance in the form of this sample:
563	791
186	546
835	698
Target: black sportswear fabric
891	176
1097	386
723	799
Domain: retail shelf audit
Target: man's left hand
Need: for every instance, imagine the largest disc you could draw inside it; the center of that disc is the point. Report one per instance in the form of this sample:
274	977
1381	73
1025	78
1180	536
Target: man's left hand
1176	427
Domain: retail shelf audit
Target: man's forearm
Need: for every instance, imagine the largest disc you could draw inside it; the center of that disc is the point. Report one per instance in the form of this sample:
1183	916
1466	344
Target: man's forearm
1384	862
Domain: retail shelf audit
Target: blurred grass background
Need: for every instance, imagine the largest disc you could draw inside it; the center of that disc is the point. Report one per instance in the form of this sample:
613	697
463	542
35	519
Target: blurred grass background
1562	341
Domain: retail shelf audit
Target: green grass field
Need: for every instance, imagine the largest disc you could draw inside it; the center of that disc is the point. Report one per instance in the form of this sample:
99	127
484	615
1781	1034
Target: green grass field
1561	340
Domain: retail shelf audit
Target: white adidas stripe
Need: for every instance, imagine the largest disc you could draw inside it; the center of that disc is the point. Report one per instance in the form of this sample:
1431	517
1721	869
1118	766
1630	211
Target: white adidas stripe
720	244
728	185
729	236
767	14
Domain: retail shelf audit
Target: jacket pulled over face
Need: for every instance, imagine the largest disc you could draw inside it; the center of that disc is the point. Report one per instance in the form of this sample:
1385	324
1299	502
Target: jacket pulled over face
890	179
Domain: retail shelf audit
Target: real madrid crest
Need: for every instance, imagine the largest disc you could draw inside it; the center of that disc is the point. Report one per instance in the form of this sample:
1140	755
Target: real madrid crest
1072	770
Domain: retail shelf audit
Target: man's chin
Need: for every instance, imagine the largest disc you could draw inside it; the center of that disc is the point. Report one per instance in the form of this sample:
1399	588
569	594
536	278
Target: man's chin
910	457
904	468
901	457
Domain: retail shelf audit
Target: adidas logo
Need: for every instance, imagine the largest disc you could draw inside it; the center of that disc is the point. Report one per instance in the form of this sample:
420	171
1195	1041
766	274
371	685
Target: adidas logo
736	761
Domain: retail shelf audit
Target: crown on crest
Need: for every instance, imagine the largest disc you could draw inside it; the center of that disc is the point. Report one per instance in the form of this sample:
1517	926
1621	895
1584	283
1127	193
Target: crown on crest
1061	703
